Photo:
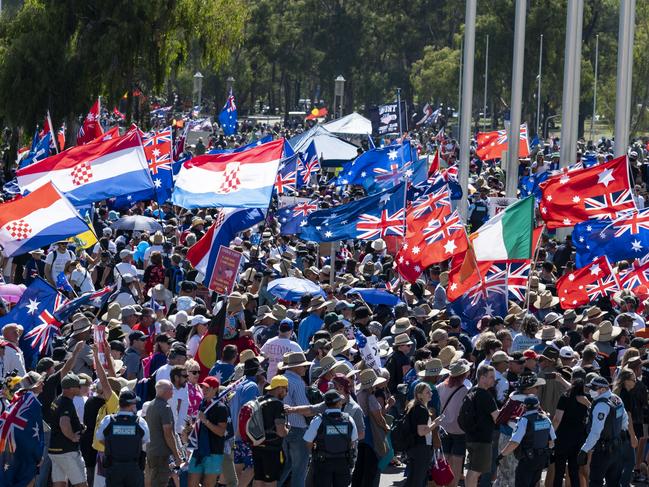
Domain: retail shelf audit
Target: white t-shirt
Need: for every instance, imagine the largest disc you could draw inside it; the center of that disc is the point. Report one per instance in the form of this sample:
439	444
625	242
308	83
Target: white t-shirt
179	403
58	260
192	345
124	268
81	278
147	253
98	248
274	350
163	373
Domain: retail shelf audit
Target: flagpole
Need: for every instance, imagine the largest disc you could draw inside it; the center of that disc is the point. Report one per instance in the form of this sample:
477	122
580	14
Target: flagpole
486	78
52	133
399	111
532	265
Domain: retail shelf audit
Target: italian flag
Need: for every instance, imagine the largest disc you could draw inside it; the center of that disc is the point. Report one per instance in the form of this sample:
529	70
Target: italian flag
508	235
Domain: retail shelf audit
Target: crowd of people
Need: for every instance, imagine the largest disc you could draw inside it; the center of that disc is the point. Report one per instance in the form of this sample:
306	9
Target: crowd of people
291	399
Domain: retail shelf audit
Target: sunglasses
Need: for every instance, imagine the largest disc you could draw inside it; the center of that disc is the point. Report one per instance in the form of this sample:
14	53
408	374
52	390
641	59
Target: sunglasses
194	372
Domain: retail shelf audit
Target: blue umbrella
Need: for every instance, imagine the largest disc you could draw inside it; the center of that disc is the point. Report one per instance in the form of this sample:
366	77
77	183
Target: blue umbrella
293	288
375	296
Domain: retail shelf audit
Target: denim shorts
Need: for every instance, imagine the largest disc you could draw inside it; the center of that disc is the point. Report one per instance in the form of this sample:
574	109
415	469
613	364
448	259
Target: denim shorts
210	465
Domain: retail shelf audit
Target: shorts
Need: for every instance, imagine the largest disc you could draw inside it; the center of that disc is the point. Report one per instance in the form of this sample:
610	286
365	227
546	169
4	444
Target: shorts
68	466
479	457
210	465
242	453
268	464
454	444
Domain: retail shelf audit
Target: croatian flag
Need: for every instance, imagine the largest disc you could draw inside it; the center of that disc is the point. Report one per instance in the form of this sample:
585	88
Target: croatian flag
92	172
238	180
202	255
39	219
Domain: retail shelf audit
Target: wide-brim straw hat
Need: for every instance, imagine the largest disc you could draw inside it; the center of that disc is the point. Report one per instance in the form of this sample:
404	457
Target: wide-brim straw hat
548	333
591	313
293	359
368	379
545	300
433	368
327	364
425	311
449	355
114	312
460	367
80	325
340	344
402	325
402	339
606	332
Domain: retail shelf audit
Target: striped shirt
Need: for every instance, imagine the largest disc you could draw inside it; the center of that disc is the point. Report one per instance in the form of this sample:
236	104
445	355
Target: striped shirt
296	397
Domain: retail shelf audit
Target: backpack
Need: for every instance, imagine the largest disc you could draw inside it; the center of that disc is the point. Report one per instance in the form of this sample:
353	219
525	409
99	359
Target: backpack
401	433
467	418
251	423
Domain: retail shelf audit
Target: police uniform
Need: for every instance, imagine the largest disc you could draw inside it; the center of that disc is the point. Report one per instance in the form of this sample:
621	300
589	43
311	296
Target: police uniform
333	433
608	425
533	433
123	435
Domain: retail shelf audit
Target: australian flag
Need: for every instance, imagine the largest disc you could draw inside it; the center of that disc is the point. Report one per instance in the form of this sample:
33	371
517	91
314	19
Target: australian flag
377	169
288	180
471	307
228	116
39	150
36	303
369	218
293	218
96	299
310	163
624	238
530	185
21	430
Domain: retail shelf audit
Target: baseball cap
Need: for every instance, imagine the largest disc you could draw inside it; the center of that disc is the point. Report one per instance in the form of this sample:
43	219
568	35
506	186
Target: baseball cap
127	398
286	325
277	381
332	397
69	381
117	345
137	335
566	352
44	364
530	354
597	382
199	320
210	381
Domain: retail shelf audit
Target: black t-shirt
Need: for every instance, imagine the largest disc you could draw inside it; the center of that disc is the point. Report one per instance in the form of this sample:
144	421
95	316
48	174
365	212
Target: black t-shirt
572	428
90	412
272	409
484	404
59	443
217	414
395	366
51	389
418	415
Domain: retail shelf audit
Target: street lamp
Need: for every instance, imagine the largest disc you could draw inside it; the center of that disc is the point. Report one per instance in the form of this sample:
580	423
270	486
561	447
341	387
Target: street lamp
229	82
339	96
198	87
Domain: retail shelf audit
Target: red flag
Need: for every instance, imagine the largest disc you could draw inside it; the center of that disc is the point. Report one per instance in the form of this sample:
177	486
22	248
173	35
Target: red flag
587	284
635	276
492	144
434	165
429	240
91	128
595	192
60	137
463	274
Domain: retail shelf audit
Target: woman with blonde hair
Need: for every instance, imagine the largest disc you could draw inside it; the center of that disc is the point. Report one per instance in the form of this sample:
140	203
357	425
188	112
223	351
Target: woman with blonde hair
194	391
423	426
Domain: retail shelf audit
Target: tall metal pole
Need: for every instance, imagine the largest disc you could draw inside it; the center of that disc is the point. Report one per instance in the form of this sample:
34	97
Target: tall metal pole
571	80
486	78
467	103
538	89
625	38
592	120
513	137
459	86
399	111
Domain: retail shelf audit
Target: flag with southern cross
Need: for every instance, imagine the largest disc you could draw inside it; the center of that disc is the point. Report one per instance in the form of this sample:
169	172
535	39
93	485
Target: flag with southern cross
590	283
40	149
372	217
471	307
310	164
286	181
623	238
293	218
636	275
228	116
496	290
377	169
41	335
21	440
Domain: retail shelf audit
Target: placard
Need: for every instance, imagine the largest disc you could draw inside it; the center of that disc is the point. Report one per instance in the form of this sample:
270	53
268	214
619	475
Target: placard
498	204
226	270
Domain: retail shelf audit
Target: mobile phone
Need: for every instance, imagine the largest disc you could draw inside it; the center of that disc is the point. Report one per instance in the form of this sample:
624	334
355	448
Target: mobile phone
441	416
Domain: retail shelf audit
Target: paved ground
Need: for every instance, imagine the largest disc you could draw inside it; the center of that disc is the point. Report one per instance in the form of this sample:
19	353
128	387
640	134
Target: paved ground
392	477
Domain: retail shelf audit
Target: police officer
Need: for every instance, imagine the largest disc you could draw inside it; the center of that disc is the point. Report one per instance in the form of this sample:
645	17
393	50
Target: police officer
531	443
123	435
331	436
608	425
479	210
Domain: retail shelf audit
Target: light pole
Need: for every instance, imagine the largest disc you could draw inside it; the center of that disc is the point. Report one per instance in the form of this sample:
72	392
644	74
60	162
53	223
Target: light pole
592	120
538	89
198	87
228	84
545	129
486	78
625	37
339	96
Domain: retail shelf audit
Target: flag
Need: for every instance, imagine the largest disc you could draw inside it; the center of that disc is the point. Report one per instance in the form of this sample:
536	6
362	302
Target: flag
62	283
93	172
596	192
228	116
369	218
530	185
293	218
203	253
96	299
625	238
34	308
517	277
496	292
471	307
433	169
590	283
310	162
430	240
239	180
60	137
508	235
118	114
635	276
42	217
431	202
377	168
464	273
491	145
40	149
21	440
287	176
40	337
47	129
179	144
91	128
243	148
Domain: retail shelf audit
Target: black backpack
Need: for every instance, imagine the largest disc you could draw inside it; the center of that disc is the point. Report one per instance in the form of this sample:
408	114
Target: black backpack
467	418
401	433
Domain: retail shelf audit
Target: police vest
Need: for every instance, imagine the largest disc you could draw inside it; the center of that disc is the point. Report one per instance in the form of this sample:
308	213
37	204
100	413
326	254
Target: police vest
613	425
537	432
479	214
123	439
334	435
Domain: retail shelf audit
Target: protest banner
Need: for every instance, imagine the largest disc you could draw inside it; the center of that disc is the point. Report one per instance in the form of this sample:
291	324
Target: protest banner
226	269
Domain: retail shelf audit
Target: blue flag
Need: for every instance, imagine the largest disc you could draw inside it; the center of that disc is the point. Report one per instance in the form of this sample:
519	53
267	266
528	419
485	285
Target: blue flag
40	150
293	218
625	238
97	299
496	290
377	169
369	218
470	307
22	439
310	164
529	185
34	307
288	179
228	116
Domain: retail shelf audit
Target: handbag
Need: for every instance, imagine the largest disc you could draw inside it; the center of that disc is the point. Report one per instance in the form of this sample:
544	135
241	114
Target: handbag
440	470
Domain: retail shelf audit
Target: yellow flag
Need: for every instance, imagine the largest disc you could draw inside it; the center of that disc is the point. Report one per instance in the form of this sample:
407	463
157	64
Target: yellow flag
85	239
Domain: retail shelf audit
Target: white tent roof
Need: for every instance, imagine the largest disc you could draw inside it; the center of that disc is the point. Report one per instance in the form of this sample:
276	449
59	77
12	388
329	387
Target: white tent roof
333	150
352	124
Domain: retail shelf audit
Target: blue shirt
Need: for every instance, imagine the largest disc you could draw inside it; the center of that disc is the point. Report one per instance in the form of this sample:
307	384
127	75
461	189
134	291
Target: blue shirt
599	414
222	371
521	427
308	327
434	402
296	397
244	392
